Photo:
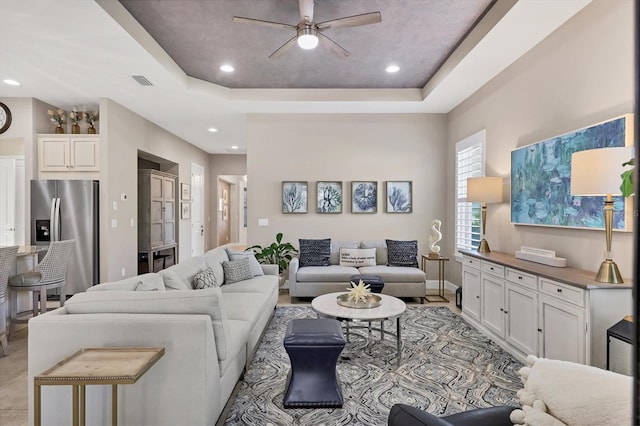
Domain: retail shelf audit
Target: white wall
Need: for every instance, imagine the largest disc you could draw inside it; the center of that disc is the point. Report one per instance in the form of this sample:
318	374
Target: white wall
345	147
580	75
123	133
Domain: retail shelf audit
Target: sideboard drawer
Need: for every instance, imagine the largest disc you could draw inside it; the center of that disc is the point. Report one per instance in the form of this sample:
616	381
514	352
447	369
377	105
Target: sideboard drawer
493	269
562	291
471	262
522	278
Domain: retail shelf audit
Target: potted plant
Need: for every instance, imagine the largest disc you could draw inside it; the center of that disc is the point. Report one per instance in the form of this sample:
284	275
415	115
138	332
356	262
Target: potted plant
626	188
277	253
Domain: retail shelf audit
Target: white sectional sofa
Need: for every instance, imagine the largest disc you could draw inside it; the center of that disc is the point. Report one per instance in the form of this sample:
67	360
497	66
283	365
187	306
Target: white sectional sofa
209	337
311	281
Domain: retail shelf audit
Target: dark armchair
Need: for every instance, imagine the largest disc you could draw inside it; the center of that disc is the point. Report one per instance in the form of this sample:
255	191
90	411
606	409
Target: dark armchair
406	415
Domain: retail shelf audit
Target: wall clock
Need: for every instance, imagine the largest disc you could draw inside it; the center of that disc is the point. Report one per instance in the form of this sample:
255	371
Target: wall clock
5	118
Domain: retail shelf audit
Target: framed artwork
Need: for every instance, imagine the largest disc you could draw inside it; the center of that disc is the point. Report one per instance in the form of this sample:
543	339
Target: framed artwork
185	191
329	197
364	197
398	196
225	212
225	196
541	180
294	197
185	210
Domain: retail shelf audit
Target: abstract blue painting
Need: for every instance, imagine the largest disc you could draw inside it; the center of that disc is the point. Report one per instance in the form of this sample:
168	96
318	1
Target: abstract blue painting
294	197
329	197
541	179
364	197
399	197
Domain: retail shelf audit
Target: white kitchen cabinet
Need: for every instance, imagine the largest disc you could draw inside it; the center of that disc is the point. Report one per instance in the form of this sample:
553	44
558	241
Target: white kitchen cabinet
529	308
471	288
68	153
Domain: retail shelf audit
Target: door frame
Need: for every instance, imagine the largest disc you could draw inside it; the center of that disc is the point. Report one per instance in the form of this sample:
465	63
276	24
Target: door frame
198	245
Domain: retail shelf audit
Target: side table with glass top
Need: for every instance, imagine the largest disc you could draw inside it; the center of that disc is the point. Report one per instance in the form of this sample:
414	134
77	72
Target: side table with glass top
439	297
95	366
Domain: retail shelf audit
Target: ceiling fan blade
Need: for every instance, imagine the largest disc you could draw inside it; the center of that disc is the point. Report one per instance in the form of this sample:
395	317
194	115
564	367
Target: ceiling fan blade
332	46
352	21
241	20
288	45
306	10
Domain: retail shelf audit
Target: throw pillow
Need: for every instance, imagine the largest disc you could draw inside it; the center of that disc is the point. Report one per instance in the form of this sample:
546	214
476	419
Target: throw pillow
402	253
315	252
256	269
236	270
203	279
357	257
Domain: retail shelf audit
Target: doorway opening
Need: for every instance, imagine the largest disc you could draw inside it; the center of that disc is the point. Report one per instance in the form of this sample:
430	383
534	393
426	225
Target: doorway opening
231	209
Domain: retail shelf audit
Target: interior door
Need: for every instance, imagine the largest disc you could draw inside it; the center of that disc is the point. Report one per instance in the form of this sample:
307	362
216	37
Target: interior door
7	201
197	209
224	224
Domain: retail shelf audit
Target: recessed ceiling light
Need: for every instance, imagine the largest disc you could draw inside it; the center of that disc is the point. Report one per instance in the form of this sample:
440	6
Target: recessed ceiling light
227	68
392	68
11	82
234	146
212	129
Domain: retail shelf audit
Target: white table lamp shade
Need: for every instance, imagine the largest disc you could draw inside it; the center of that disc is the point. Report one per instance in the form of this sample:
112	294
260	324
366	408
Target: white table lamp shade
484	189
597	171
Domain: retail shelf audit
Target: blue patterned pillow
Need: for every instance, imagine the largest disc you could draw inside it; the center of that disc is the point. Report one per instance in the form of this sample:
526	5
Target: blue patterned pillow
402	253
315	252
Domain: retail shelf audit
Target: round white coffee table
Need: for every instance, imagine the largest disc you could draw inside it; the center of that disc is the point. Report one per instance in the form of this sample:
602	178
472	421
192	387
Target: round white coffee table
390	308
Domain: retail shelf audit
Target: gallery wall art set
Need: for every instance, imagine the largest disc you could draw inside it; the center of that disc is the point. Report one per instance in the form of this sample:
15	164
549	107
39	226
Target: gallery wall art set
331	197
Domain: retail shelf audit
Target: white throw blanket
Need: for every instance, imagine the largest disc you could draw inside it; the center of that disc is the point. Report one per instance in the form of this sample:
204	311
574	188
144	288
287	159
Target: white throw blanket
560	393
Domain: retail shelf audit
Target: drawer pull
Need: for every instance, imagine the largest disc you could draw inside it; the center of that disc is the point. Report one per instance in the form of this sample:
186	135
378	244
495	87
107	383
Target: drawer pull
491	268
520	277
540	330
501	310
477	297
559	290
506	312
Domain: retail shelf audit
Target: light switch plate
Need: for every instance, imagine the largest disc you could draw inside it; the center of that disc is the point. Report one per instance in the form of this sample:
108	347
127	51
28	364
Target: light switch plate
263	222
114	223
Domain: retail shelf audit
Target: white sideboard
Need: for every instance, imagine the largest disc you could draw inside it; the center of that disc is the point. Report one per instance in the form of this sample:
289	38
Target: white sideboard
529	308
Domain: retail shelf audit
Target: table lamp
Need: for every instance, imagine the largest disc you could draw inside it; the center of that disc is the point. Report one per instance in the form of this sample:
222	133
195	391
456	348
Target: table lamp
484	190
596	172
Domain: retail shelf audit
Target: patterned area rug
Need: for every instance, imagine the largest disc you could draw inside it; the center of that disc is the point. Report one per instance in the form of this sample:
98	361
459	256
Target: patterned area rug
447	366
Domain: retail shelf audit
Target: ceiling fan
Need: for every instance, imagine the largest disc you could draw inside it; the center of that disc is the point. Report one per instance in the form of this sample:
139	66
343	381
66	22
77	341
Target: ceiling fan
309	34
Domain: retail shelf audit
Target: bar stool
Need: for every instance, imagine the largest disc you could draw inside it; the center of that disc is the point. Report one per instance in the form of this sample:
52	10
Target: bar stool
49	273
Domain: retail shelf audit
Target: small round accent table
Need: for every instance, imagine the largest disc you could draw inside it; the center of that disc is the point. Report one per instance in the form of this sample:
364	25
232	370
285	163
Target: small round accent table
390	308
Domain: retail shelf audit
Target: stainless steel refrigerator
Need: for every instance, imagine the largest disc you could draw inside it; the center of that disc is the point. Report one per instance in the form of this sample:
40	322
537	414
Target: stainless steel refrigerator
68	209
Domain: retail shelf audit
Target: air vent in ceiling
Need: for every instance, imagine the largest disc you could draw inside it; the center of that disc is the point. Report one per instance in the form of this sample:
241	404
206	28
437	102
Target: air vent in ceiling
142	80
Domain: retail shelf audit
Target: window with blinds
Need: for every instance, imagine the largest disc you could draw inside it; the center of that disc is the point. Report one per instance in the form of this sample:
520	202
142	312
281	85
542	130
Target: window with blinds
469	163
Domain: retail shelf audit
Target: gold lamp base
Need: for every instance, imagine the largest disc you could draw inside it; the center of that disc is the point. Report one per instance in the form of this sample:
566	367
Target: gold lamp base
609	273
484	247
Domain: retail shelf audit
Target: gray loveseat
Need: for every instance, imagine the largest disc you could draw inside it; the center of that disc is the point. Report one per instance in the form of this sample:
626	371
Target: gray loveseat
311	281
209	336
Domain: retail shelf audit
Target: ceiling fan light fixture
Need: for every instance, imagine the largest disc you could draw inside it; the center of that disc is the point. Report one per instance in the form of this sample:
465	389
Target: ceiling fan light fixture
307	37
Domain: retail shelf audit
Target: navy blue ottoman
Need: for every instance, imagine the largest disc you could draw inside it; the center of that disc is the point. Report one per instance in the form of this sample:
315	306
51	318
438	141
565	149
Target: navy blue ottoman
313	346
376	283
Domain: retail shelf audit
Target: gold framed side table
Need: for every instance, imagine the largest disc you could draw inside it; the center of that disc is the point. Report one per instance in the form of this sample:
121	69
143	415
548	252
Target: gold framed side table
95	366
441	262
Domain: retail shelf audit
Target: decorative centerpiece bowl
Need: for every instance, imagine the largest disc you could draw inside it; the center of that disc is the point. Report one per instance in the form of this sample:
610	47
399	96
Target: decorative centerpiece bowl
359	296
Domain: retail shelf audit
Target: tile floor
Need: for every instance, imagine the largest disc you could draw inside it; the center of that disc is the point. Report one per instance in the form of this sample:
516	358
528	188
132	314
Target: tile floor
13	368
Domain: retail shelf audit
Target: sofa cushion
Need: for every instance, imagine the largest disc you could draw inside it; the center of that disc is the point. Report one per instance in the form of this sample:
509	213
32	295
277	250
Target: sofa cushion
381	250
402	253
330	273
214	259
204	279
264	284
315	252
180	276
395	274
334	257
357	257
203	302
246	306
256	269
145	282
236	270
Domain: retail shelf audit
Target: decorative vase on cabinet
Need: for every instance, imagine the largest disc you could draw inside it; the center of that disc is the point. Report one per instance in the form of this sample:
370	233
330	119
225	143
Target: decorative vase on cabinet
59	129
91	130
75	129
